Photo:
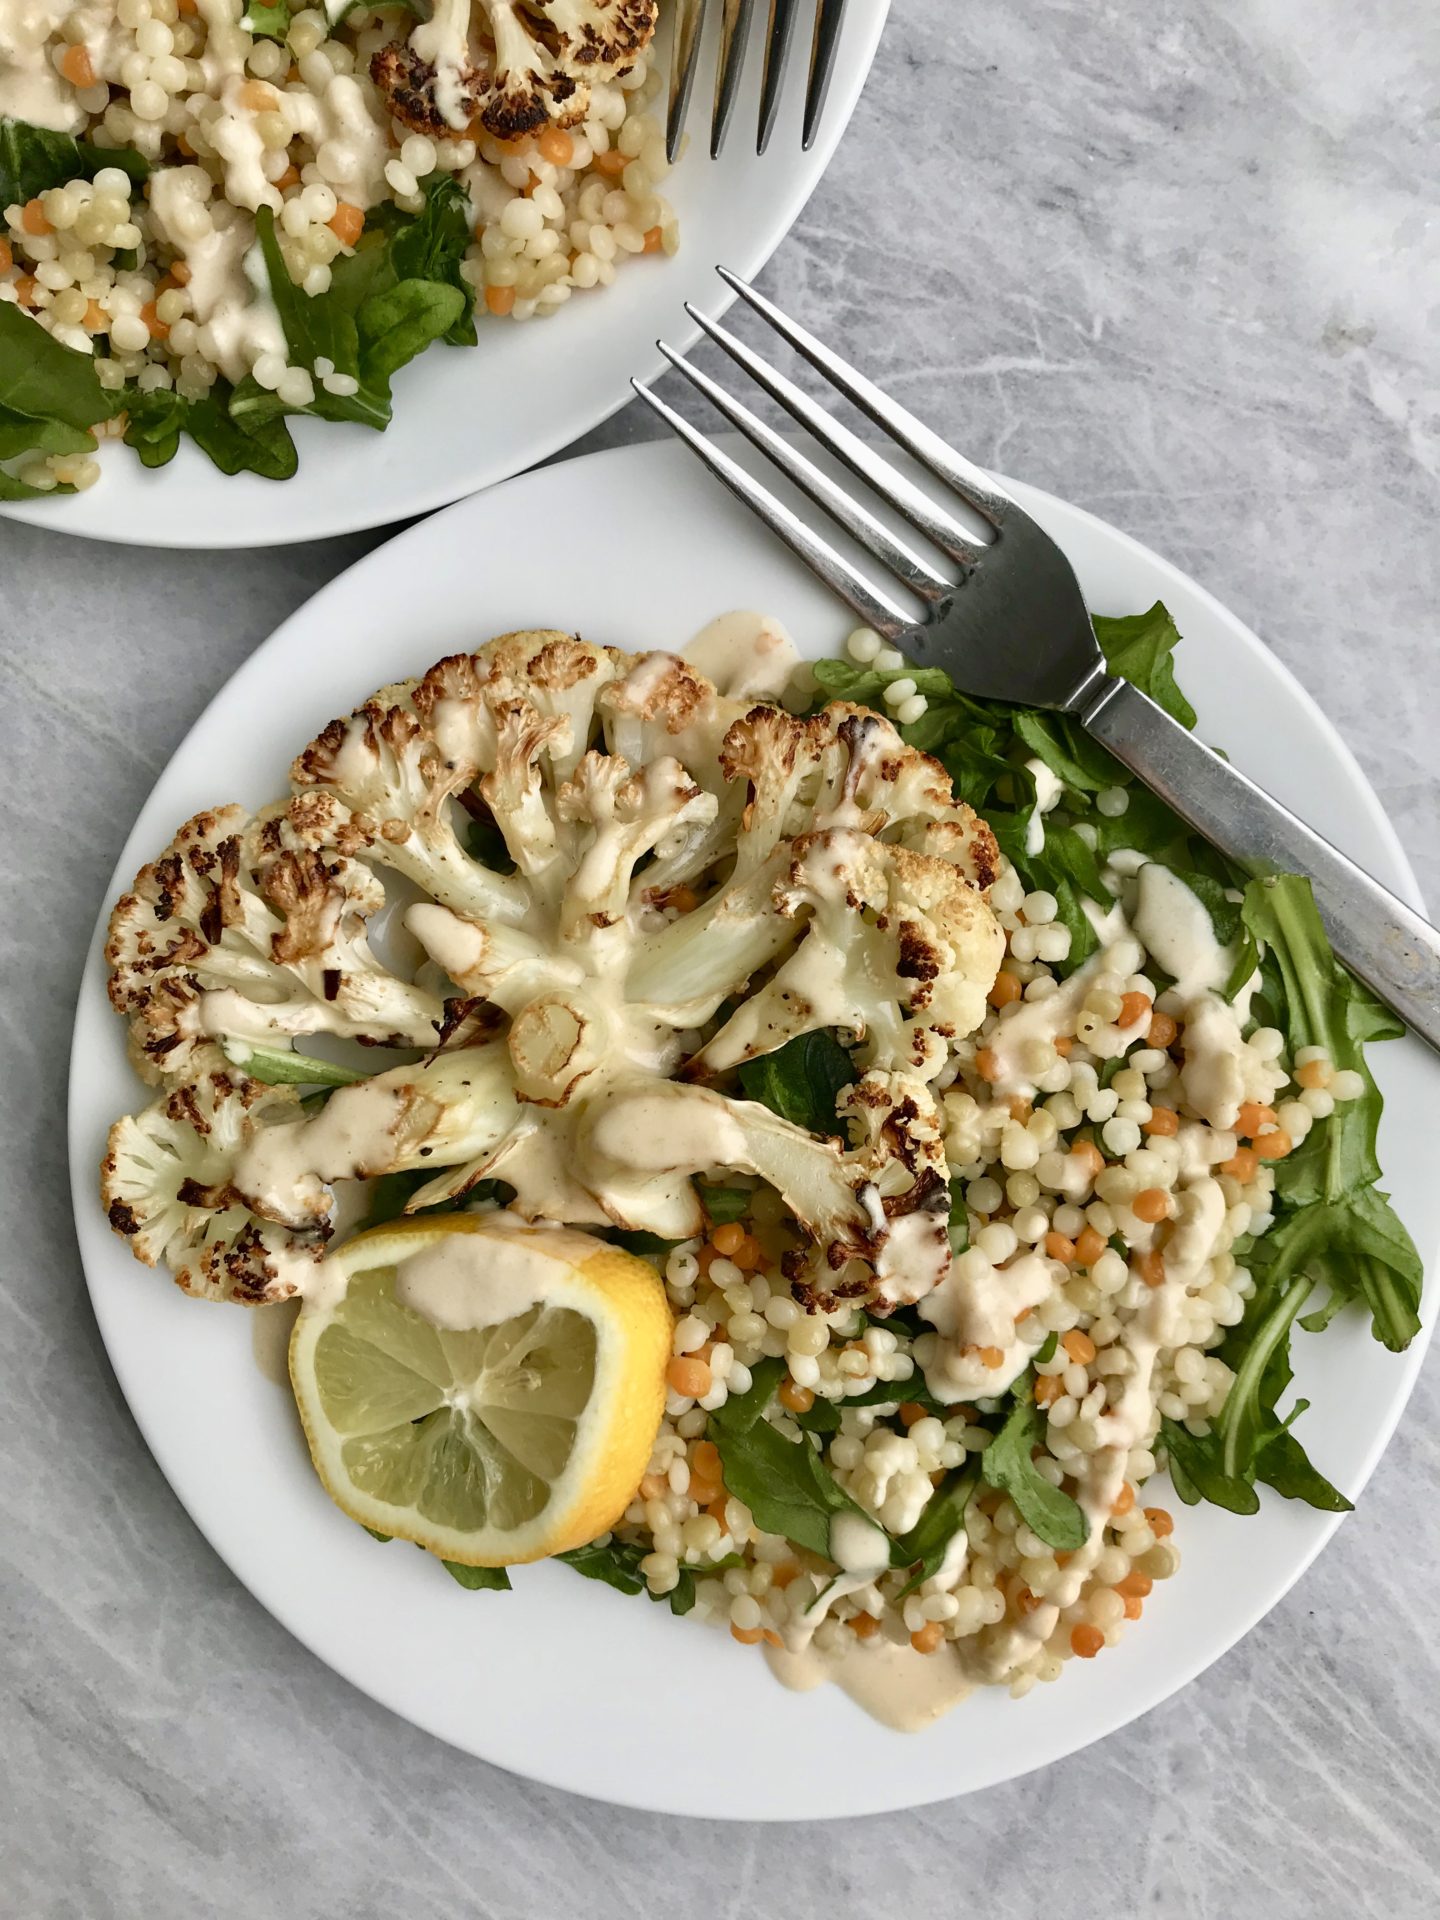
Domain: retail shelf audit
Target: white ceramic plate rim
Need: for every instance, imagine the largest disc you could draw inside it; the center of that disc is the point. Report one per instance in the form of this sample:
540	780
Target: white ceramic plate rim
351	479
602	1753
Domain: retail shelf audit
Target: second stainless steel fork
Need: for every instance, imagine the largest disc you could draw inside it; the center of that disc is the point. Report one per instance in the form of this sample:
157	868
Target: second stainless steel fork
735	18
1008	622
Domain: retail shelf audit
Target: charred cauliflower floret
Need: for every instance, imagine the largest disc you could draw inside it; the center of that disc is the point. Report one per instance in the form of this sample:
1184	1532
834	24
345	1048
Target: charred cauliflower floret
899	951
166	1185
617	886
241	931
512	65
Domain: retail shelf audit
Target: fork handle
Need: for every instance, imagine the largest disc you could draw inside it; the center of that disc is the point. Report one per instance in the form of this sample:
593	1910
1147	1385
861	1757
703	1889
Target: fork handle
1381	940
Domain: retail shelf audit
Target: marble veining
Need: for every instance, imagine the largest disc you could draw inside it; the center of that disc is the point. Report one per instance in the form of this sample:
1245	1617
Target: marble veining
1178	263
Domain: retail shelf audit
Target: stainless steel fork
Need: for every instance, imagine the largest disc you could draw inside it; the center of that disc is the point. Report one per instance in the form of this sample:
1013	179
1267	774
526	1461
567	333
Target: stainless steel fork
1010	623
735	18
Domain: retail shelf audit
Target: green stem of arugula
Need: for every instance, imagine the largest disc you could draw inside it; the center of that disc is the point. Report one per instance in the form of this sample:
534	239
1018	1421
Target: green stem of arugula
281	1066
1246	1383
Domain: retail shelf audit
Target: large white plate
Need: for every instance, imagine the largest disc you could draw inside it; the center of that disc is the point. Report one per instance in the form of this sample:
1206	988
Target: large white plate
464	420
569	1682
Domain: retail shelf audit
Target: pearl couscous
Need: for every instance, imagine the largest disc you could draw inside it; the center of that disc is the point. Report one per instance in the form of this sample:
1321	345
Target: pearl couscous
151	269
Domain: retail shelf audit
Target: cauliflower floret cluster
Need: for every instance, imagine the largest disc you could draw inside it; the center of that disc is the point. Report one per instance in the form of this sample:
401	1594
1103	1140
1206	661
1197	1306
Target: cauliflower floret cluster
511	65
615	886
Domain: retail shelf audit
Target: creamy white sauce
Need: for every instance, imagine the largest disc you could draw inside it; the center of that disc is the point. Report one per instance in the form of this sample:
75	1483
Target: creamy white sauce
30	88
1156	1326
496	1272
1048	789
744	654
1219	1073
652	1131
236	138
915	1249
857	1545
979	1309
444	40
1174	926
1048	1019
972	1310
226	42
229	288
904	1690
352	1137
342	119
461	947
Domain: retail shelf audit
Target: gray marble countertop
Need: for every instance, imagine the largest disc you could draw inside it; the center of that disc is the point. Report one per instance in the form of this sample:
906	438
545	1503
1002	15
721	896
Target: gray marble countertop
1178	263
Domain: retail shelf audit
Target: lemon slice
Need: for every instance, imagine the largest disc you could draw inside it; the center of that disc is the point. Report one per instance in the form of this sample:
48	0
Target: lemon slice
489	1390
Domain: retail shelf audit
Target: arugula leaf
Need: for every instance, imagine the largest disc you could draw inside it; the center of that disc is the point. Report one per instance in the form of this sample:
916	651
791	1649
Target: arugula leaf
279	1066
431	245
19	435
1140	647
1065	865
822	1417
266	21
45	381
784	1482
1213	895
390	1193
959	1227
50	396
369	324
478	1579
926	1543
1283	1465
1068	751
486	843
1197	1473
1247	959
723	1204
1052	1516
617	1564
34	159
383	1538
639	1240
1320	1005
1359	1250
233	442
396	326
802	1081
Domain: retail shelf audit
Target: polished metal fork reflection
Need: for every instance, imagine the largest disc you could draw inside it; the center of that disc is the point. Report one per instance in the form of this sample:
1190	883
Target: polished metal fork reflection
735	17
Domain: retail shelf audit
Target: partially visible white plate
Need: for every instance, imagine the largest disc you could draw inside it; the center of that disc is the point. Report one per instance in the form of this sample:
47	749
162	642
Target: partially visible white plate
465	419
571	1683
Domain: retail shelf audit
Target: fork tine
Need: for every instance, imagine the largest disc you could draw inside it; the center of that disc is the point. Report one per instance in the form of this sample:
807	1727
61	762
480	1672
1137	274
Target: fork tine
734	40
857	521
912	434
828	17
866	461
684	51
779	35
874	607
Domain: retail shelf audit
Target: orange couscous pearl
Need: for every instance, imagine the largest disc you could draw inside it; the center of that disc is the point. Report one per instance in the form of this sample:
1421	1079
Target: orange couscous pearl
688	1375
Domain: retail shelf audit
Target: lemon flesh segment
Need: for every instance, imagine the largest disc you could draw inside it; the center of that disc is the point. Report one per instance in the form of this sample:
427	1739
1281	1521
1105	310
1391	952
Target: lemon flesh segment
494	1443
